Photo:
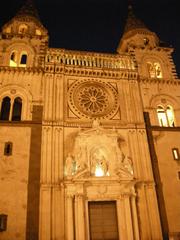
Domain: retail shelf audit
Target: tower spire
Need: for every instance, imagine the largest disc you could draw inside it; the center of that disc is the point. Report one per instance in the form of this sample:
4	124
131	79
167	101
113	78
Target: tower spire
132	21
133	27
28	9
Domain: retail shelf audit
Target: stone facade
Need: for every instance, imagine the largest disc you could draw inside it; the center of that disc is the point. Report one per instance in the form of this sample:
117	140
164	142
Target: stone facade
78	129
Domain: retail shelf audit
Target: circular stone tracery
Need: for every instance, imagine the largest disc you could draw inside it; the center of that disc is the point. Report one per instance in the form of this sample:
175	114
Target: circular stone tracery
93	99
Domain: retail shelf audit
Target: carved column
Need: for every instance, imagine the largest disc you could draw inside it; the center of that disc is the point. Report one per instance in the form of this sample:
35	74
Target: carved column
79	217
11	109
153	213
143	213
128	217
125	224
48	100
57	189
121	219
134	217
52	197
136	102
69	218
58	97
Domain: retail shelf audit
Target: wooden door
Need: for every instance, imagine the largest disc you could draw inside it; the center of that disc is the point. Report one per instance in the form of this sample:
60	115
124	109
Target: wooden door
103	220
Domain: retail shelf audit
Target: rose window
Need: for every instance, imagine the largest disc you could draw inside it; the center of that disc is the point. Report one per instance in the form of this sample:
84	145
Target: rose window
92	99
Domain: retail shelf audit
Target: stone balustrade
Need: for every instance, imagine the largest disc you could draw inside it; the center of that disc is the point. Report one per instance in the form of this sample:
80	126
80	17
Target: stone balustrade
87	59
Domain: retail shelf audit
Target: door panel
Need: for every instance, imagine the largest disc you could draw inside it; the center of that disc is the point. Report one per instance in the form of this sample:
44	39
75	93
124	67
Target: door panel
103	220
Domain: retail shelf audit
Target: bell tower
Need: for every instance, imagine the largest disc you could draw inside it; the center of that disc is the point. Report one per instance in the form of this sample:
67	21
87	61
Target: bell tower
23	45
24	39
149	52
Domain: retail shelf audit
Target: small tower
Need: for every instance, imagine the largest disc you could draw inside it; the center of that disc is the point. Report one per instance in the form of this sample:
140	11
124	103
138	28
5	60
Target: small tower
149	52
23	39
136	34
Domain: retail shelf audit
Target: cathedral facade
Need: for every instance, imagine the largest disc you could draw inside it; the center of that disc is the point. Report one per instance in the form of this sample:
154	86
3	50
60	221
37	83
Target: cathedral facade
89	142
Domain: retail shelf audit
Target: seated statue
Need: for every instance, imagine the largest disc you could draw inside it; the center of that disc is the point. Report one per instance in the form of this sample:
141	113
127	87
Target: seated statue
99	165
125	168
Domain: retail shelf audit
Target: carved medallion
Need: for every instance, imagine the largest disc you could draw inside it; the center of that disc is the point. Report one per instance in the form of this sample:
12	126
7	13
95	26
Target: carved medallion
93	99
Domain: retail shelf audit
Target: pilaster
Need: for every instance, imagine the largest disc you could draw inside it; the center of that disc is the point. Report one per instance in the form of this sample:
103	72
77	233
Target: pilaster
79	216
128	217
69	217
148	214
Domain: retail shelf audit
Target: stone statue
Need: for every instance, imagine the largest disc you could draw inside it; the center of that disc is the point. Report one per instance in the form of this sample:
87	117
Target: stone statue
127	163
99	163
125	168
80	161
69	165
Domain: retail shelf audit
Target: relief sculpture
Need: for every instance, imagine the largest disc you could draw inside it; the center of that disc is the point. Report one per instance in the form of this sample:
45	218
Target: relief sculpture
97	152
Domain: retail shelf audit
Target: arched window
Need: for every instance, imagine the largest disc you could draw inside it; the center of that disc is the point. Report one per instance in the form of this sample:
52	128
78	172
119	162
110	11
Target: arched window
13	59
5	109
23	60
23	28
165	116
154	70
18	59
17	108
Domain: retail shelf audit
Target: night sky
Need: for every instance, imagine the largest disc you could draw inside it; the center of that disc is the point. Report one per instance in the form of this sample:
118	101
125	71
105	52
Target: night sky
97	25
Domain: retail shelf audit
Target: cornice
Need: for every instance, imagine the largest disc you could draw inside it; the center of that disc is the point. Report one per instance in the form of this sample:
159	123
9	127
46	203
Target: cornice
159	80
20	123
88	124
154	50
85	53
9	36
8	69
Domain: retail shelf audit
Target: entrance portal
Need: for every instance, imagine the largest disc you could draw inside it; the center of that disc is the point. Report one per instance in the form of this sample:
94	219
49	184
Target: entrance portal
103	220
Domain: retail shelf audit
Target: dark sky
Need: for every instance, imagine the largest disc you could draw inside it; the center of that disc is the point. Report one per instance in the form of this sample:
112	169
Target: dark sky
97	25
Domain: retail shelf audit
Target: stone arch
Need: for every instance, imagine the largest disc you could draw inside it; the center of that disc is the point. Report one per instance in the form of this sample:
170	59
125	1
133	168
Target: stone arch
15	91
5	108
158	99
154	58
163	100
20	48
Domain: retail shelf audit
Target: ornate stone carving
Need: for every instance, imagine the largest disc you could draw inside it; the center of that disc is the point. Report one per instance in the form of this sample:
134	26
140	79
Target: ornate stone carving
93	99
69	165
99	162
125	168
97	153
